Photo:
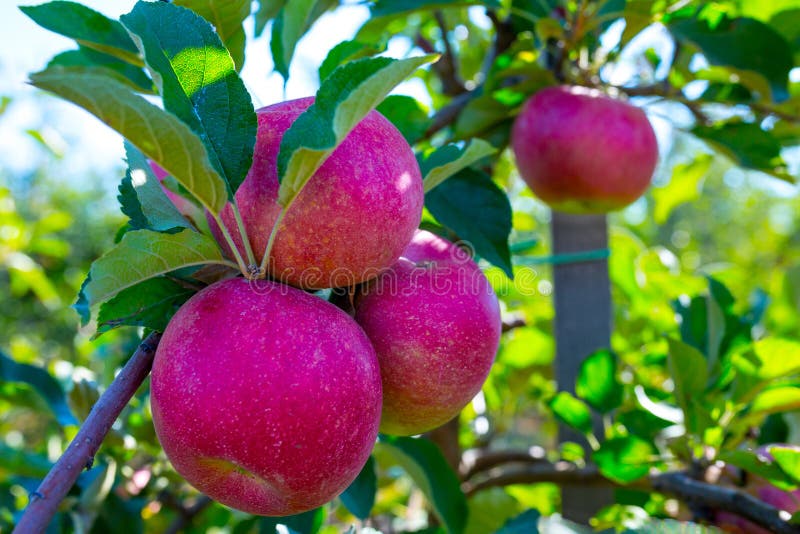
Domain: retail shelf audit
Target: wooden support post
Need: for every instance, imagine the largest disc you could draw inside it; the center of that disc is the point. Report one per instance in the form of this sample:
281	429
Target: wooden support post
582	325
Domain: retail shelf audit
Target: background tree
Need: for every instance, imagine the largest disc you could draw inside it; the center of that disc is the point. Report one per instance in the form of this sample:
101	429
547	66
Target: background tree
704	357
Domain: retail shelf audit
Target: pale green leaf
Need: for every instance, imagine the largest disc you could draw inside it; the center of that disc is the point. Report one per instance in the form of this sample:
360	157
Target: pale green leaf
159	135
143	254
684	186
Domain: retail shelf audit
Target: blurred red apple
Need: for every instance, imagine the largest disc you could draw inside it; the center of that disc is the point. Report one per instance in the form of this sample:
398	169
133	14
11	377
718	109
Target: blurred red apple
581	151
352	219
434	321
264	397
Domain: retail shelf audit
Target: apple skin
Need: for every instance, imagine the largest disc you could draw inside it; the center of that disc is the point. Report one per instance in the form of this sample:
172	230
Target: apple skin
764	491
581	151
434	321
264	397
351	220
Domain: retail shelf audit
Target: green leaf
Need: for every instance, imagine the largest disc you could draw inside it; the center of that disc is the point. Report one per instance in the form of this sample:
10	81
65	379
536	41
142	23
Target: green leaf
87	26
267	10
150	304
385	8
525	523
344	98
684	186
787	23
689	370
292	22
743	43
479	115
758	465
624	459
408	116
306	523
86	57
158	134
775	400
424	462
41	381
22	463
359	497
769	359
199	84
347	51
143	254
142	198
81	305
478	211
748	145
673	526
227	17
597	381
572	412
788	459
447	160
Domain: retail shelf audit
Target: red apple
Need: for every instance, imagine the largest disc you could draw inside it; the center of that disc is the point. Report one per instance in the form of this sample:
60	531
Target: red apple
434	321
581	151
264	397
354	216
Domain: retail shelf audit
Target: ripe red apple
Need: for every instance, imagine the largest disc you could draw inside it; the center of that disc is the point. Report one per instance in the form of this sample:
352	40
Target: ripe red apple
581	151
354	216
434	321
264	397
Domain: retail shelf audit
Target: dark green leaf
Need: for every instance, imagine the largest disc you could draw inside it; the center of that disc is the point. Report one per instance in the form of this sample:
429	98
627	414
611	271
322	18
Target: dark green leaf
643	423
597	381
199	83
41	381
143	199
150	304
624	459
227	17
86	57
158	134
787	23
347	51
426	465
743	43
81	305
572	411
344	98
748	145
359	497
479	115
525	523
689	370
385	8
306	523
693	315
477	211
86	26
407	115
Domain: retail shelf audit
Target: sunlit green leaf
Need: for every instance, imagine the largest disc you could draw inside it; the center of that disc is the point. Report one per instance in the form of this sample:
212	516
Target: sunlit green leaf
572	412
624	459
447	160
227	17
347	51
689	371
597	382
199	84
684	186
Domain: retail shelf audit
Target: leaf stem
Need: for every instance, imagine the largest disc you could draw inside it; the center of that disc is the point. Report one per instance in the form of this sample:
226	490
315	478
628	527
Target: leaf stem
232	244
271	241
251	258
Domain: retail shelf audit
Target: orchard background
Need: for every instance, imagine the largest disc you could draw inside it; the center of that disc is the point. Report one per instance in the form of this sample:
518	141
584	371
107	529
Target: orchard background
703	362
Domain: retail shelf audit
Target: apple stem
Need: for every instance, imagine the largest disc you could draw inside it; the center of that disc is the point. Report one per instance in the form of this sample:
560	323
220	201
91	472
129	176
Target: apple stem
251	258
232	245
271	241
44	502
